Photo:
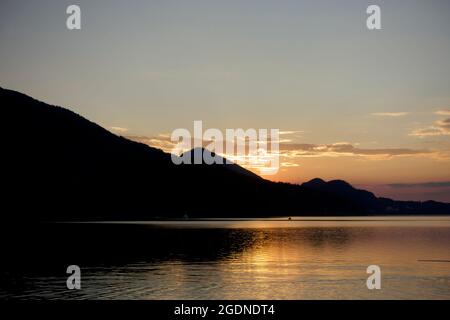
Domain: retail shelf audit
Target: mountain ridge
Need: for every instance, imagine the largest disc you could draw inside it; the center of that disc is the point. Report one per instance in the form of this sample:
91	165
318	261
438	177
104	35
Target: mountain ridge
61	166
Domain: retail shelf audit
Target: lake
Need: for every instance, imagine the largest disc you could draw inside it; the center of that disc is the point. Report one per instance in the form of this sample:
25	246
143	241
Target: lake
304	258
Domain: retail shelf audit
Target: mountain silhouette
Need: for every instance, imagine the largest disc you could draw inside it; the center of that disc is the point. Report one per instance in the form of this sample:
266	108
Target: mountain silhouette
230	166
60	166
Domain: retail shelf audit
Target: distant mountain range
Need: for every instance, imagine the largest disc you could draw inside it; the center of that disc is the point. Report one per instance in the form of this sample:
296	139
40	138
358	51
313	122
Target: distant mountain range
60	166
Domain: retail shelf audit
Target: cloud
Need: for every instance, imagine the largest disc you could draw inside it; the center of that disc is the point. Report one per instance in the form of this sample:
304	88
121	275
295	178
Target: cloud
289	164
161	141
443	112
440	128
439	184
118	129
345	149
445	124
390	114
290	152
164	142
289	132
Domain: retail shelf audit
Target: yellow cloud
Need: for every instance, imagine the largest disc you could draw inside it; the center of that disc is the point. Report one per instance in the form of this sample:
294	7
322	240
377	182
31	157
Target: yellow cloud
390	114
443	112
118	129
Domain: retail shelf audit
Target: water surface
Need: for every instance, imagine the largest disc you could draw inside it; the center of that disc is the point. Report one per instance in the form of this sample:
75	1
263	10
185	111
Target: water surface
305	258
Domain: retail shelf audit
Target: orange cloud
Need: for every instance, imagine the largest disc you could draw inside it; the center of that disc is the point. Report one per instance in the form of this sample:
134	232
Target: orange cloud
440	128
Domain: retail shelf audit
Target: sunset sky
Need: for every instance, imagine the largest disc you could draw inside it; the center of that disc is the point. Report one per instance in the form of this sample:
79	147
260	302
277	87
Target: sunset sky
369	107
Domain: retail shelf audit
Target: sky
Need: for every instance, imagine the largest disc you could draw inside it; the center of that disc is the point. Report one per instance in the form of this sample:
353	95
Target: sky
371	107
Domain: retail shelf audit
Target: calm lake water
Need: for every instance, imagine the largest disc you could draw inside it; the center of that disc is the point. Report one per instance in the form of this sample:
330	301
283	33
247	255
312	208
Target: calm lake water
305	258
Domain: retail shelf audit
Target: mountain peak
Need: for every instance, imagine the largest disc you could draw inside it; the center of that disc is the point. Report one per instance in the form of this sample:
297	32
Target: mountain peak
316	182
340	184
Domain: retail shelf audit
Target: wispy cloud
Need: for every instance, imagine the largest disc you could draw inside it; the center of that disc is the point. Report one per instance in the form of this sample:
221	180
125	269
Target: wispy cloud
161	141
118	129
164	142
440	128
443	112
345	149
390	114
290	132
292	151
